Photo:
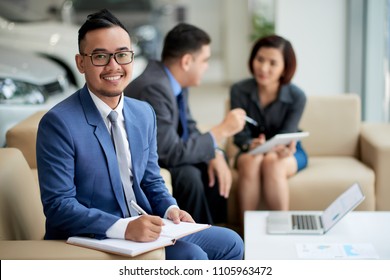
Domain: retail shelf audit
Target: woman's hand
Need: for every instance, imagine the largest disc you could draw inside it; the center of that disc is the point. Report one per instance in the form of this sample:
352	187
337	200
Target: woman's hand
284	151
257	141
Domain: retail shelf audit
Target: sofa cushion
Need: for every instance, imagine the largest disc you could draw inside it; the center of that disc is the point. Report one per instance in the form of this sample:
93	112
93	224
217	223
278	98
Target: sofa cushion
315	187
60	250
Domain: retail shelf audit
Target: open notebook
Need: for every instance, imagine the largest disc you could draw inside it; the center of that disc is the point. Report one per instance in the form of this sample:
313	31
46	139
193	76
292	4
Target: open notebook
315	222
170	233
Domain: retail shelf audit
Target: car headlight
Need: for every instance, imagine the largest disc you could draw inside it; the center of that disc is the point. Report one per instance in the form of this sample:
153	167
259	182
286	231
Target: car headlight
17	92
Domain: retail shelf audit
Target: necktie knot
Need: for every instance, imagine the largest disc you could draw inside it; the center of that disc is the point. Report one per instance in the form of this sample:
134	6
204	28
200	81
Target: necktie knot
113	116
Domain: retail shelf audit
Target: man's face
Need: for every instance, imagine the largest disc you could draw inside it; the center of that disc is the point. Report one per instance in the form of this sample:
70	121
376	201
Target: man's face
110	80
198	65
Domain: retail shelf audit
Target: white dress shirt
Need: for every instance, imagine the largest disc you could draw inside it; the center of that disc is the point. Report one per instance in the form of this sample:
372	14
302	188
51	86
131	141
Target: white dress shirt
118	229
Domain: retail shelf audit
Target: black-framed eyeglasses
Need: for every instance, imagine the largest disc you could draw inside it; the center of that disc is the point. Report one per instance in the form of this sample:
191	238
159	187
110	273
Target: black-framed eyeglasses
102	59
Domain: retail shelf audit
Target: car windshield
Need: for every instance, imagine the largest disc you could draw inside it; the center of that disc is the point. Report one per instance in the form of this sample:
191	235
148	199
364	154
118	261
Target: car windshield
131	5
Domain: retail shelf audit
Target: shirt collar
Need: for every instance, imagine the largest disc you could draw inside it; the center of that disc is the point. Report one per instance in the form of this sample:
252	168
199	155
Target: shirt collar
105	110
284	94
174	83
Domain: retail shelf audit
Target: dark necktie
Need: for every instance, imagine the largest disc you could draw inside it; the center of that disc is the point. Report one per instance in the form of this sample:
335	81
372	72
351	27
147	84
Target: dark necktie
183	117
125	172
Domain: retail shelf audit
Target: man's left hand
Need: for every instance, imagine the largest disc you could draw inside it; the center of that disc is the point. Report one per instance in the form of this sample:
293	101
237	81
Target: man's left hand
177	216
219	168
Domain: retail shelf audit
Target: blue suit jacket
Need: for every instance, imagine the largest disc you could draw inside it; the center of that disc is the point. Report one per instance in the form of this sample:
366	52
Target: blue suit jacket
78	172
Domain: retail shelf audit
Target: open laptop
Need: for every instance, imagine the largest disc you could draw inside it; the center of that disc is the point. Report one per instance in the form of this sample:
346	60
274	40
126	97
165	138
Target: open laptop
315	222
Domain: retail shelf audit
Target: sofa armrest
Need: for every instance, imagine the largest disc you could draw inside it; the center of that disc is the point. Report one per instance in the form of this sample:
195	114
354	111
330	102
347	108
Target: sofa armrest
375	152
60	250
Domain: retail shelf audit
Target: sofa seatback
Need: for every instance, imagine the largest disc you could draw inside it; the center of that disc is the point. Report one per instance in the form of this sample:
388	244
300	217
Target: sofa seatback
23	136
334	125
21	211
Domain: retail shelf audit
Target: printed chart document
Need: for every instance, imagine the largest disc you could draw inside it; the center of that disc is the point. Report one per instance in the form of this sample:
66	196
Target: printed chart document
278	139
170	233
336	251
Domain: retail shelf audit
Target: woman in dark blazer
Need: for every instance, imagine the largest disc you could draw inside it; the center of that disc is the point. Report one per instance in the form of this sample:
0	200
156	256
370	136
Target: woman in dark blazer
277	106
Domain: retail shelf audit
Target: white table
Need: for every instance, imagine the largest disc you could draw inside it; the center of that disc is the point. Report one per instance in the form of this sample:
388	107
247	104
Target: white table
355	228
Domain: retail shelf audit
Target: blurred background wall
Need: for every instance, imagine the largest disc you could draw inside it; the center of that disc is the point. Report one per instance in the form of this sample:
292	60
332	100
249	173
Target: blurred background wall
342	46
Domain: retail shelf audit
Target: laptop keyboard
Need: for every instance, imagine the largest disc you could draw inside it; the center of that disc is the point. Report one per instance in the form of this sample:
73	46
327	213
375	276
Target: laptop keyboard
304	222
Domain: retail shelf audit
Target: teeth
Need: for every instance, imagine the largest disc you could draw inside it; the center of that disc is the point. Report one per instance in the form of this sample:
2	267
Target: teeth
112	78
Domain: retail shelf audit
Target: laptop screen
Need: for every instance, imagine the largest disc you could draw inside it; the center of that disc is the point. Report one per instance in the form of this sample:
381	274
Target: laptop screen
345	203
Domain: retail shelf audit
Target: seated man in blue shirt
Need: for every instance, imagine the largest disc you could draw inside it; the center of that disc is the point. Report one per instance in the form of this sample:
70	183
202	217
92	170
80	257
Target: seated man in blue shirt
201	178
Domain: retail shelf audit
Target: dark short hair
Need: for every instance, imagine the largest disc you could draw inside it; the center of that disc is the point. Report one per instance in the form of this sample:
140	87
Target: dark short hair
274	41
182	39
100	19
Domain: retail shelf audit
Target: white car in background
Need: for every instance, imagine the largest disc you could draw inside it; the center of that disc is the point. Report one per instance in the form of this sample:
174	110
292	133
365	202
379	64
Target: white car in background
54	40
26	78
28	83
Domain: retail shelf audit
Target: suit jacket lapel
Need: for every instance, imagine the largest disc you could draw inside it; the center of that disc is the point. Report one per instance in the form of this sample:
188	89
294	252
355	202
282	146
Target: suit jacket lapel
94	119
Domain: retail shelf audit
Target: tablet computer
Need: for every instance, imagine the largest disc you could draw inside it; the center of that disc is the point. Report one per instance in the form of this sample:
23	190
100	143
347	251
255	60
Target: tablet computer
278	139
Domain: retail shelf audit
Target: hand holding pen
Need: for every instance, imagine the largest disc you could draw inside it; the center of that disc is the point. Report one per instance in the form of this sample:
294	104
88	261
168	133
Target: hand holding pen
146	228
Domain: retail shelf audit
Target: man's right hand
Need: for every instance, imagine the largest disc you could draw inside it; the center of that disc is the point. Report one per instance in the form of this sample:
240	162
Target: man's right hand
233	123
144	229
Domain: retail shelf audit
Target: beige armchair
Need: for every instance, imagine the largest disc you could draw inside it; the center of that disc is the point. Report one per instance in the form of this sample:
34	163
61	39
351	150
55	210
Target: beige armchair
22	222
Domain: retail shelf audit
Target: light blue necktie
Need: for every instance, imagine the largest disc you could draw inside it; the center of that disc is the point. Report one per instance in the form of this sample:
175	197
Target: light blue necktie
125	172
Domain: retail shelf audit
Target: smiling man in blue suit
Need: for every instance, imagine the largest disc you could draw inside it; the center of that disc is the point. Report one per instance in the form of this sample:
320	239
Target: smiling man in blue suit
82	175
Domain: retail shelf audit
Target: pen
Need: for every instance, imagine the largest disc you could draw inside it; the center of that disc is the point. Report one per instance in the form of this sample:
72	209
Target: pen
137	208
251	121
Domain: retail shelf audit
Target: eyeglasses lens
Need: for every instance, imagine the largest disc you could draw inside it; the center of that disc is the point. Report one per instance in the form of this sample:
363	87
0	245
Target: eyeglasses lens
102	59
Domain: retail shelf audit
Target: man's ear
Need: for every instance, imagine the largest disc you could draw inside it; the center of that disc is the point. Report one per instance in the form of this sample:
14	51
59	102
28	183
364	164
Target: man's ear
186	61
80	63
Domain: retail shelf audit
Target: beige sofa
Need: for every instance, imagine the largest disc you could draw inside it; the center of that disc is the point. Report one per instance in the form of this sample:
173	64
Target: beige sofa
342	150
21	214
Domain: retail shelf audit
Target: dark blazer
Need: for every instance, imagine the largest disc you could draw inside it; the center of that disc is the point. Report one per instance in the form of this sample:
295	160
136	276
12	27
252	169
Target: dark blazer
281	116
79	177
154	87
